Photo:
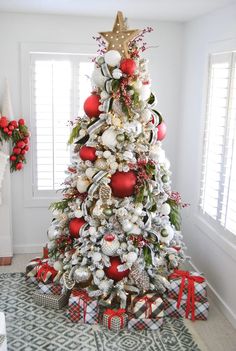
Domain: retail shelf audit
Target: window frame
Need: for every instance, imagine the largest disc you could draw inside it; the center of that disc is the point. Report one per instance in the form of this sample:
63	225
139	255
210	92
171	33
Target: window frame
42	198
224	238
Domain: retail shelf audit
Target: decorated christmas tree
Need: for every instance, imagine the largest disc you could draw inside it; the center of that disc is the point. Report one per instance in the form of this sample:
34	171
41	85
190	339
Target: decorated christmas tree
116	230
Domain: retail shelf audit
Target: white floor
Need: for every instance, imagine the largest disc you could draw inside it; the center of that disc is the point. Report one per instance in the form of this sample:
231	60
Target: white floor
216	334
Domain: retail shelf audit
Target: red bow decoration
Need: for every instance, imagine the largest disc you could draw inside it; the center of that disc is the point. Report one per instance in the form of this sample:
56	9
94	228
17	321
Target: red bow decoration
83	296
191	279
44	269
148	303
115	313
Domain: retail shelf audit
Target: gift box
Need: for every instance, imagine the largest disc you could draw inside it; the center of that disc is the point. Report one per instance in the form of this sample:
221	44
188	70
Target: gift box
179	284
197	310
51	288
115	320
31	280
145	323
33	266
147	306
52	301
82	308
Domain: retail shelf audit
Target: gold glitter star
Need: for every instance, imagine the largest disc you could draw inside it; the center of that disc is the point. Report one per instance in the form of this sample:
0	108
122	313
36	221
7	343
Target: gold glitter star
119	38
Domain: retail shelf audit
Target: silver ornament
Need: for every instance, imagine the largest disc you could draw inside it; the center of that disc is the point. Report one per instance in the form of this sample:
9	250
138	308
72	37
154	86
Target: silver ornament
81	274
120	137
110	248
107	211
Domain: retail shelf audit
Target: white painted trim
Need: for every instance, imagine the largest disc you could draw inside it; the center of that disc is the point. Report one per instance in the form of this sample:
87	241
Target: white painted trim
25	249
6	245
218	301
228	246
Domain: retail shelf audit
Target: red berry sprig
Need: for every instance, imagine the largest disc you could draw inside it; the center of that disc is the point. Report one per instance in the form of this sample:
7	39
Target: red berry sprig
18	134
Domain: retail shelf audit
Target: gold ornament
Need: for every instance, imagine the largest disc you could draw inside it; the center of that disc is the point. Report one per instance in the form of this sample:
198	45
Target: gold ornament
119	38
105	193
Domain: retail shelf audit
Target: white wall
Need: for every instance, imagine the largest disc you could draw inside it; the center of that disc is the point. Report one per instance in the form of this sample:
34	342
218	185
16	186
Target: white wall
30	224
210	252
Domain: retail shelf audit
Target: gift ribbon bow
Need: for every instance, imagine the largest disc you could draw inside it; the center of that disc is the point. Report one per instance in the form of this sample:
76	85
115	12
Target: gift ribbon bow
113	313
191	280
44	270
83	296
148	304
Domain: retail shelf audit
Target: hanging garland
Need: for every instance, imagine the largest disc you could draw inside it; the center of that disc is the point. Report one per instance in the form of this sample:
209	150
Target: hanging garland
19	135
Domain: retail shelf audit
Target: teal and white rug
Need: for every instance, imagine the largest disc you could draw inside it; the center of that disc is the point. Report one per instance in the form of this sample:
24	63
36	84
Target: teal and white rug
31	328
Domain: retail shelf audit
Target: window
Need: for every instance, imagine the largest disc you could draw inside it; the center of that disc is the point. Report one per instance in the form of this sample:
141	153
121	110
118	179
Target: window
218	187
59	85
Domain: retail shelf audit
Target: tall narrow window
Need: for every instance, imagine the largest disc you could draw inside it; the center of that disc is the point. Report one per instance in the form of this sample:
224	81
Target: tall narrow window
59	85
218	190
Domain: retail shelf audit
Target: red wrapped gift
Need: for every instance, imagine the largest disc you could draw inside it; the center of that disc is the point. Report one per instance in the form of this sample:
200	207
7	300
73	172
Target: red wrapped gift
190	302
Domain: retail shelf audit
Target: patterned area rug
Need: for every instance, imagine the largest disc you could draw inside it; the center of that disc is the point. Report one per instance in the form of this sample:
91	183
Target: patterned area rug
31	328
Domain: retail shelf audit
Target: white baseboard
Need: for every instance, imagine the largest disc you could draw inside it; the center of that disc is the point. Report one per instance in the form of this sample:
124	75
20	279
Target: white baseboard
217	299
23	249
6	246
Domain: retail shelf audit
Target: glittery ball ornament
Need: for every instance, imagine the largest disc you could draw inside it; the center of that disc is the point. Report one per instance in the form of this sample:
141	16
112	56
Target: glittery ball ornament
112	271
91	106
88	153
110	244
123	183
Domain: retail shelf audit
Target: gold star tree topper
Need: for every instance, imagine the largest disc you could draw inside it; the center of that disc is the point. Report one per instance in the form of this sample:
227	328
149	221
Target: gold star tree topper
119	38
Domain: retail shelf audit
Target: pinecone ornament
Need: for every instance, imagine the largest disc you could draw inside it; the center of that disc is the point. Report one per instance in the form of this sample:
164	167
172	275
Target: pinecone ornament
110	244
140	277
105	193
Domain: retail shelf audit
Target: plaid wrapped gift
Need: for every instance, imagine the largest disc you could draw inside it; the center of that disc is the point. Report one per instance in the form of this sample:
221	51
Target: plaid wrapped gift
51	288
147	306
179	284
197	312
82	308
31	280
33	266
115	319
145	323
52	301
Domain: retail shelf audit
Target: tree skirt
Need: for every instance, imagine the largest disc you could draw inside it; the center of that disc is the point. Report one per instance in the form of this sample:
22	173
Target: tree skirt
30	327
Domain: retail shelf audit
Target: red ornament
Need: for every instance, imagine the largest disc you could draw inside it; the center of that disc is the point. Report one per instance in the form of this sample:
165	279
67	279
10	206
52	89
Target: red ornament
91	106
19	166
128	66
12	157
161	131
20	144
109	237
75	226
123	183
16	150
3	122
88	153
112	271
21	122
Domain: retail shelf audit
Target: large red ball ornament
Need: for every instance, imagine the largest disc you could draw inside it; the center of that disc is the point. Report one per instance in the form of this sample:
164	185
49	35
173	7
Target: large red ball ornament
75	225
112	271
88	153
161	131
91	106
123	183
128	66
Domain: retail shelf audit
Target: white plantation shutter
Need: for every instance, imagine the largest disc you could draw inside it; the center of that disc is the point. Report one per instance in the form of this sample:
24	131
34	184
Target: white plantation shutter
59	86
218	190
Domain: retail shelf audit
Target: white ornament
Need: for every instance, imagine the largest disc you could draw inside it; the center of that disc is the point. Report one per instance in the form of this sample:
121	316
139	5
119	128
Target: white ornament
82	184
78	214
127	226
107	154
165	209
104	95
90	172
138	210
109	138
97	256
123	246
100	163
99	273
92	230
110	248
52	233
51	245
58	266
134	127
131	257
81	274
104	286
117	73
112	58
98	78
